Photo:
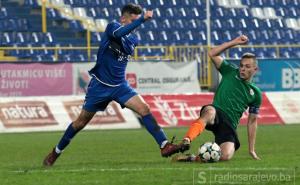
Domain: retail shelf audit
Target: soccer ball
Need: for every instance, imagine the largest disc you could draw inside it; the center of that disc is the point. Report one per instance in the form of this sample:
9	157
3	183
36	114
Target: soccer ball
209	152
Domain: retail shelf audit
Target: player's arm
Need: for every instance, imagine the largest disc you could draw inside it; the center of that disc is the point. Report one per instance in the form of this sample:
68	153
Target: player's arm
124	30
252	126
215	53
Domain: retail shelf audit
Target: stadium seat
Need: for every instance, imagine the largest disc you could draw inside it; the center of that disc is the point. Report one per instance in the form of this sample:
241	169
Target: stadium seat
242	25
269	13
258	12
96	37
67	12
75	25
292	12
218	13
253	2
80	12
89	24
229	25
59	3
231	3
280	12
53	14
243	13
277	24
166	24
292	23
270	53
3	13
102	23
31	3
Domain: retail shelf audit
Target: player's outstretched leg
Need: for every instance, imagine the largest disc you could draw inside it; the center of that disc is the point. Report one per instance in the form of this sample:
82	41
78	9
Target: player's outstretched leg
71	131
63	143
207	116
137	104
166	148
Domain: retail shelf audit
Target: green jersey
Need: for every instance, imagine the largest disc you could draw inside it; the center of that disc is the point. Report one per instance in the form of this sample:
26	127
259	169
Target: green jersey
235	95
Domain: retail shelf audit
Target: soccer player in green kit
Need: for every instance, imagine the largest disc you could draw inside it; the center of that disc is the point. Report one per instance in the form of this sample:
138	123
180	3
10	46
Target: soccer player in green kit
234	95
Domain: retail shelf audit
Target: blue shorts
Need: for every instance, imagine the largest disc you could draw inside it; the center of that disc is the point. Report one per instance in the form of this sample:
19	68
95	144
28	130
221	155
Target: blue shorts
98	95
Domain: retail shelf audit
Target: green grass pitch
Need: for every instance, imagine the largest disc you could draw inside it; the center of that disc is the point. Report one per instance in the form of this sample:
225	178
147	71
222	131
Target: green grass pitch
131	157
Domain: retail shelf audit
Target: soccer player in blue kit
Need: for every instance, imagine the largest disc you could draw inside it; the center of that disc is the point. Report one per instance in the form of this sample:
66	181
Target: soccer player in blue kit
108	82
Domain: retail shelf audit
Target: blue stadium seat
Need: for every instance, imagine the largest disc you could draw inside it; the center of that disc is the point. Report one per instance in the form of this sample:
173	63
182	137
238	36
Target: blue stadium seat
218	13
286	53
53	14
22	25
31	3
270	52
7	39
10	25
229	25
3	13
230	13
254	3
243	13
297	52
216	24
200	36
96	38
76	25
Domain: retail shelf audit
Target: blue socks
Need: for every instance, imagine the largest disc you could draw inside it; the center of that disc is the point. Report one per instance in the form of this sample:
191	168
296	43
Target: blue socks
149	122
154	129
65	140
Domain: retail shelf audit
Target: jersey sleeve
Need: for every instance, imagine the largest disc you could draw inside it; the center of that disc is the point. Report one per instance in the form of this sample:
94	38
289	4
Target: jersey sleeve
226	68
116	30
111	28
255	105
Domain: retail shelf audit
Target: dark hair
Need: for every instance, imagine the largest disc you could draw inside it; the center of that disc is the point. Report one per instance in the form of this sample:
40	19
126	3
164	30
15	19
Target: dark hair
131	8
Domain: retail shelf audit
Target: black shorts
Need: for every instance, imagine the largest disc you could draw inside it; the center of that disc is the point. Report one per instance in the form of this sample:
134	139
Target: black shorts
222	128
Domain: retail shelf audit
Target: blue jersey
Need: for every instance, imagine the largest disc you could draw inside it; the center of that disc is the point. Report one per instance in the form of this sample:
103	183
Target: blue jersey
116	46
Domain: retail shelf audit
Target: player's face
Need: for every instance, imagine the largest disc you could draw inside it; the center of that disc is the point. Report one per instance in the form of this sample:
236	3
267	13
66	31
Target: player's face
129	18
247	68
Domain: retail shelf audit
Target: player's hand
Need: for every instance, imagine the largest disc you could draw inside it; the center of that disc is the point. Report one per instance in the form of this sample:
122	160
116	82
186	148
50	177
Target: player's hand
254	155
148	14
243	39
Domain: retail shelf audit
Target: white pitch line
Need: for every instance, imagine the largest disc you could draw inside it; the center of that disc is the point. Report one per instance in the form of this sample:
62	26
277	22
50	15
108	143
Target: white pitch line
94	170
142	169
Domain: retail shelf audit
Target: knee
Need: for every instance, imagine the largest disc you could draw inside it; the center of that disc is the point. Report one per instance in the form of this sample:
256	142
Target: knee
226	156
144	109
208	114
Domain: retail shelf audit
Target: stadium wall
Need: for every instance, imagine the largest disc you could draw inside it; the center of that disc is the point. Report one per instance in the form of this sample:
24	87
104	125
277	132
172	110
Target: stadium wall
48	113
24	106
45	113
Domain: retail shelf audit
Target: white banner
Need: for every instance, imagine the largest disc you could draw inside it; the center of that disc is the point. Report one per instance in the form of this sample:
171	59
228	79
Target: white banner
163	77
148	77
287	104
27	114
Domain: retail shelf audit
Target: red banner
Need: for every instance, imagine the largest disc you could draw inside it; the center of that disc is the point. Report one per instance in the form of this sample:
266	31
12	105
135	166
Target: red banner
267	115
181	110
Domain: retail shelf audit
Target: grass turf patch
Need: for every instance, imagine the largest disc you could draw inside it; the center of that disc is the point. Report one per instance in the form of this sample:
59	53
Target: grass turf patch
132	157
